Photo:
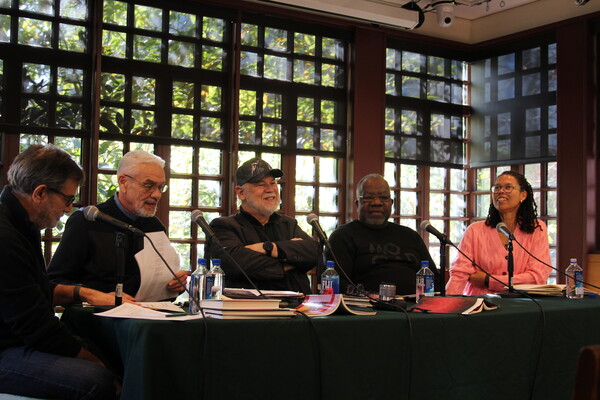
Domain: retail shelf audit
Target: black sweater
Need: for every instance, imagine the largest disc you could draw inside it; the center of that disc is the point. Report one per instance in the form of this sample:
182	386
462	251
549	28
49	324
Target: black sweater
26	309
86	252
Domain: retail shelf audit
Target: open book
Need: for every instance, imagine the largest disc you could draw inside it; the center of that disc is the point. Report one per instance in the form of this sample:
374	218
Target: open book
320	305
452	305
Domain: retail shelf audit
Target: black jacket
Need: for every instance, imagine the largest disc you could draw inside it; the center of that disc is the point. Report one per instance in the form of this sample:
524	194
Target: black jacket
86	252
26	309
242	229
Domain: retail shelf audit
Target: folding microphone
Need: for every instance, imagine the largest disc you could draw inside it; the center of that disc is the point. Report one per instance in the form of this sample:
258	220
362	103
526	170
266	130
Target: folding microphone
502	228
426	226
91	213
198	218
313	220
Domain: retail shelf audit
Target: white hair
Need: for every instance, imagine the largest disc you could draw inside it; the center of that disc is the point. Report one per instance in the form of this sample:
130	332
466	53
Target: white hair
136	157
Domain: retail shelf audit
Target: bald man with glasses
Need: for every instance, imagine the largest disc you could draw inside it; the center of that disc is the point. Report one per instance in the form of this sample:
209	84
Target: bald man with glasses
372	250
86	254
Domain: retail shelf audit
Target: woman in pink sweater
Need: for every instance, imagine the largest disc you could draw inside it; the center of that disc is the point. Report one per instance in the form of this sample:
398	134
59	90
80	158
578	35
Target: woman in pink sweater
514	205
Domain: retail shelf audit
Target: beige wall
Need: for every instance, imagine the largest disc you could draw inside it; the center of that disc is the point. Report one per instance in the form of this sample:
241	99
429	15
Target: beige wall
514	20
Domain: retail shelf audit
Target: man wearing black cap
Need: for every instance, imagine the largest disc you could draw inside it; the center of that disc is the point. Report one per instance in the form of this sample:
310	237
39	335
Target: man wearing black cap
270	247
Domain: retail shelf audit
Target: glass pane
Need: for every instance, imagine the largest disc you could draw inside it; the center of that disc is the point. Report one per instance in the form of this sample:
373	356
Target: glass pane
146	48
408	176
111	119
437	178
305	138
531	58
148	18
304	71
551	204
305	198
212	58
482	206
182	126
37	6
411	87
107	186
390	174
210	129
328	199
181	54
458	180
435	66
143	90
182	24
552	176
69	115
483	179
115	12
272	105
35	112
305	169
412	61
408	203
458	205
332	48
109	154
276	39
72	38
276	68
71	145
114	44
247	132
533	174
506	89
180	192
304	44
35	32
181	161
5	28
36	78
305	109
180	226
249	35
213	29
210	162
506	64
328	170
74	9
531	84
332	75
143	122
183	95
248	63
209	193
211	98
328	111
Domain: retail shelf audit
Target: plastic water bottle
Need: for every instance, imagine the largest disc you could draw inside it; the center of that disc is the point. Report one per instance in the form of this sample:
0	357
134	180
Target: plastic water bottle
330	280
424	281
197	285
574	287
215	280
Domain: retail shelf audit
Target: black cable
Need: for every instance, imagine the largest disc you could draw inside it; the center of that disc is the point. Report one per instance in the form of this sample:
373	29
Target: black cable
318	345
543	314
556	269
205	325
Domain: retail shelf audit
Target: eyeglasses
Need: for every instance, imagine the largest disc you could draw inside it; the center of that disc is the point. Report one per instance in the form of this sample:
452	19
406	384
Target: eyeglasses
506	188
68	199
150	187
369	199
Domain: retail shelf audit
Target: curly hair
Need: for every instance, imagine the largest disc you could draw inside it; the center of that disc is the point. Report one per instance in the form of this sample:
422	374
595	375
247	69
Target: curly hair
527	214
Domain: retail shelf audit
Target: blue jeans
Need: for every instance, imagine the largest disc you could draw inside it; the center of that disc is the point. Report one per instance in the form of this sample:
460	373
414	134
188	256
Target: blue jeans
28	372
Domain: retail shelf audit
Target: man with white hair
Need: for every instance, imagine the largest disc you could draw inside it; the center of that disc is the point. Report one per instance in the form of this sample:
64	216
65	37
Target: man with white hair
86	254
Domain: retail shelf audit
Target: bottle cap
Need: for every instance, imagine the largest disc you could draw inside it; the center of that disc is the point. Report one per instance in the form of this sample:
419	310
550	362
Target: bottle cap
202	261
216	261
330	264
425	263
573	261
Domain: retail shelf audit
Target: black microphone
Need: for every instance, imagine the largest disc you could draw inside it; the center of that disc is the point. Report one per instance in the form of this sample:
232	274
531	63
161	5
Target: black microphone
91	213
426	226
502	228
313	220
198	217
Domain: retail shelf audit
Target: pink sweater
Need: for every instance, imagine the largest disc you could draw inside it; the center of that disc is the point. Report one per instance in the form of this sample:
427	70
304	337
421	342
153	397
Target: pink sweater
482	244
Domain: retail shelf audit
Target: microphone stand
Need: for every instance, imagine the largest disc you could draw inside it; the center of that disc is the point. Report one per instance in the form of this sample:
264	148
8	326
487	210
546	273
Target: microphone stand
511	265
442	269
120	267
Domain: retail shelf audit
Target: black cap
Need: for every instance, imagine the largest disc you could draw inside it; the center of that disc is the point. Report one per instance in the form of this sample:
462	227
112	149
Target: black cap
254	170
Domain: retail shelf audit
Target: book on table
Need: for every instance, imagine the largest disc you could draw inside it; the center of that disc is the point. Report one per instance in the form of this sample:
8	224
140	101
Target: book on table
249	314
241	293
557	290
241	304
320	305
452	305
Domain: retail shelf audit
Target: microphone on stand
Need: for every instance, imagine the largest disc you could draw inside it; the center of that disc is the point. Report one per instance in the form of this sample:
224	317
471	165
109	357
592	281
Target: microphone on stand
313	220
91	213
502	228
198	218
427	227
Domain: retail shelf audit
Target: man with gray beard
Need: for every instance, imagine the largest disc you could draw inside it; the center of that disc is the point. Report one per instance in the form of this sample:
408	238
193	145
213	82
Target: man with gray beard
372	250
271	248
86	253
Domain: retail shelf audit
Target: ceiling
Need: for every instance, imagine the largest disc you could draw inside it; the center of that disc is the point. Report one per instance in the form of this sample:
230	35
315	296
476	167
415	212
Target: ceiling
475	9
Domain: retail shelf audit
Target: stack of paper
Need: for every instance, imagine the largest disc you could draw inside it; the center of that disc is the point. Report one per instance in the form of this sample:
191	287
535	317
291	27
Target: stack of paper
245	309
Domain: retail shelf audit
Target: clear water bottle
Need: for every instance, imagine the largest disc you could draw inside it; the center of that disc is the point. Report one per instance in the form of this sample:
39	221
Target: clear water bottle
330	280
574	287
215	280
424	281
197	285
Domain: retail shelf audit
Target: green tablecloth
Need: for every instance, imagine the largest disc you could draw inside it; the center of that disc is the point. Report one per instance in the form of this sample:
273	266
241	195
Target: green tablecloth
491	355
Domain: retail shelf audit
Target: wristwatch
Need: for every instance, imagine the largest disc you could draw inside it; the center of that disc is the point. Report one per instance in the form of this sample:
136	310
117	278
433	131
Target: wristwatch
268	246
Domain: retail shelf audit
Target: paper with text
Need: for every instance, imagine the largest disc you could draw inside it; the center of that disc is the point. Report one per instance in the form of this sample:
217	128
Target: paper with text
154	274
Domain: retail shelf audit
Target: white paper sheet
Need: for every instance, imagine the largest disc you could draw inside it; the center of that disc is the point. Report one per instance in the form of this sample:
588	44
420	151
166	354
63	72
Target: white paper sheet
128	310
154	274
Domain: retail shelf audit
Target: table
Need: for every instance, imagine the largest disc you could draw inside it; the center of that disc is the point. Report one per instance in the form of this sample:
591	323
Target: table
508	353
